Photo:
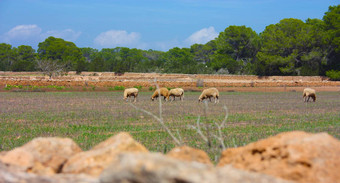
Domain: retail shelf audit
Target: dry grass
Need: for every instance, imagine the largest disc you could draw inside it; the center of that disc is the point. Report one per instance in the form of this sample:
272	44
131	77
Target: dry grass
91	117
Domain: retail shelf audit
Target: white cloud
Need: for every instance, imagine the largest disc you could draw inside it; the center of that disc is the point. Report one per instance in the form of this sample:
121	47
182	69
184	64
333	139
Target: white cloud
32	35
67	34
202	36
114	38
22	32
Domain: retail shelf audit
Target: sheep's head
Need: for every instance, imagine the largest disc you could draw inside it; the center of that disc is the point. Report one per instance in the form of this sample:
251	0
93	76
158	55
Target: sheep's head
314	98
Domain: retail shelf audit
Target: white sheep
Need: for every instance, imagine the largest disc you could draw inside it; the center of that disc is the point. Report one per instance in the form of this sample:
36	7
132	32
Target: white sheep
177	92
309	93
208	93
160	92
131	92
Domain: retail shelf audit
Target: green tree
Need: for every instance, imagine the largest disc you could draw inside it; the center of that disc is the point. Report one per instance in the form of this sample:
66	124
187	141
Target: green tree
179	60
292	47
97	64
25	59
236	49
151	61
66	52
7	57
203	52
332	26
89	53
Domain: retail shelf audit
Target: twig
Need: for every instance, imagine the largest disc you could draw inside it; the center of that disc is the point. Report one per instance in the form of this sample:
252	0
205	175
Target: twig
198	129
160	120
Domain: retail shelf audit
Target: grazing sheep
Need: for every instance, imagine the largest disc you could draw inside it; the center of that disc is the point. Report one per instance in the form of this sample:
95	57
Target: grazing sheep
309	93
162	92
177	92
208	93
131	92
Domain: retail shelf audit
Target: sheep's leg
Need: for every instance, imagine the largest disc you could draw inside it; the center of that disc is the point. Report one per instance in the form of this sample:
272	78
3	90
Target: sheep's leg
308	98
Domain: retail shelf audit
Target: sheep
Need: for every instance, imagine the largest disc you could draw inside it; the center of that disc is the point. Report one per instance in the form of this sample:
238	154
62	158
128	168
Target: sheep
162	92
131	92
177	92
309	93
208	93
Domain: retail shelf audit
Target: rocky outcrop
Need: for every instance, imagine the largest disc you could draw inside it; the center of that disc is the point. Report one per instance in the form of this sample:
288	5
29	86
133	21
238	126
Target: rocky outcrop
14	174
287	157
42	155
94	161
297	156
186	153
155	167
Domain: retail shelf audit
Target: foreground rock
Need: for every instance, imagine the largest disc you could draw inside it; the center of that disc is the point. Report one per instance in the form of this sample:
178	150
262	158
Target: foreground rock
155	168
42	155
297	156
14	174
94	161
190	154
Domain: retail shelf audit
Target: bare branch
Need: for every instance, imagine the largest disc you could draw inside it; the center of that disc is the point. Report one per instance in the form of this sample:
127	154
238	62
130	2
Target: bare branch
160	120
198	129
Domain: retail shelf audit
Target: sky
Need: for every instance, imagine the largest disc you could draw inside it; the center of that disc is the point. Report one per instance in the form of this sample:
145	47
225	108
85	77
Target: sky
143	24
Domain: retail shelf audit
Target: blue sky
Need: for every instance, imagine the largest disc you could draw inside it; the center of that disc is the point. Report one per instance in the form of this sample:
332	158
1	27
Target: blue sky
143	24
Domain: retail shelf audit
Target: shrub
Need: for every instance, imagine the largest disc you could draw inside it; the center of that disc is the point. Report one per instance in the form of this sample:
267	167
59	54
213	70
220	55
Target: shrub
139	87
150	88
119	88
333	75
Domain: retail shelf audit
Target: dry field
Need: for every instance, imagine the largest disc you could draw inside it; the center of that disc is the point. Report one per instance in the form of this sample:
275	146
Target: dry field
91	117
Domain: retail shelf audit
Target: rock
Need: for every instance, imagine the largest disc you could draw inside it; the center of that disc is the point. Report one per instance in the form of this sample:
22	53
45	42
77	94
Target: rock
93	162
190	154
42	155
158	168
15	174
297	156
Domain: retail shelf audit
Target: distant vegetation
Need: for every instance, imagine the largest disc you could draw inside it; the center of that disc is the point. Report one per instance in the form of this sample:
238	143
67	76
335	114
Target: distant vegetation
290	47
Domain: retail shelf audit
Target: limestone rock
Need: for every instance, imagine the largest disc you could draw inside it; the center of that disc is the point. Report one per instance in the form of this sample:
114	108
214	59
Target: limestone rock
158	168
297	156
93	162
190	154
42	155
15	174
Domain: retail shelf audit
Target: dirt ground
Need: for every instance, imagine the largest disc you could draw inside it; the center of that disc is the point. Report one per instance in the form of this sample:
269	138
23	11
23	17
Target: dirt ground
106	81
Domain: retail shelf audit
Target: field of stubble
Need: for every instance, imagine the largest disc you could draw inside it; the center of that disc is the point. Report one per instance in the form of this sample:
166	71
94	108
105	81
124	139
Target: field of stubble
91	117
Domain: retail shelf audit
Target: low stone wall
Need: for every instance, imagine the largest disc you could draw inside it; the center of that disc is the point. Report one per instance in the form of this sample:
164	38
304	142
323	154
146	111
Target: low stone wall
106	80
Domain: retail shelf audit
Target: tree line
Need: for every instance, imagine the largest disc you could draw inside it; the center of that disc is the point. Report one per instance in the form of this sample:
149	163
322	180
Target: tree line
290	47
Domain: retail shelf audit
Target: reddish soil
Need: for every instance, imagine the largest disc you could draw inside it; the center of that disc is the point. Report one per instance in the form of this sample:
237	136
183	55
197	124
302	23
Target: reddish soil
90	81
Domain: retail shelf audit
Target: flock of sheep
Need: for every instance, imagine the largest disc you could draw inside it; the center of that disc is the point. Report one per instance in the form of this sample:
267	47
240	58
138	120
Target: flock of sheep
206	94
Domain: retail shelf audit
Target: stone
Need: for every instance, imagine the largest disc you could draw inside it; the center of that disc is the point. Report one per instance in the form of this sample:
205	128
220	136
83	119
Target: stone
42	155
158	168
186	153
15	174
94	161
297	156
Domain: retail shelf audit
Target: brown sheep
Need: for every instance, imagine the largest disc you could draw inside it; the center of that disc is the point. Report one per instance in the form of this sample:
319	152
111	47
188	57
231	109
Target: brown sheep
208	93
177	92
162	92
129	92
309	93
